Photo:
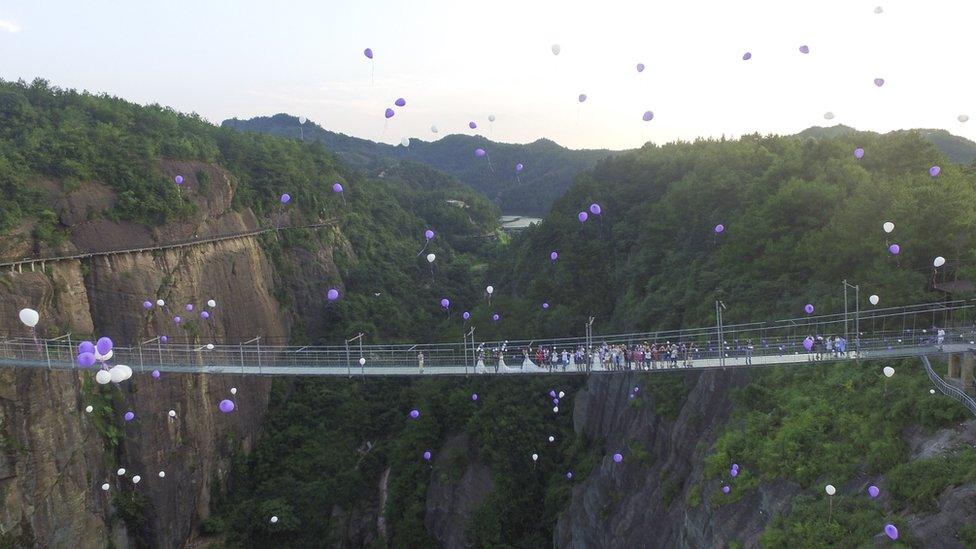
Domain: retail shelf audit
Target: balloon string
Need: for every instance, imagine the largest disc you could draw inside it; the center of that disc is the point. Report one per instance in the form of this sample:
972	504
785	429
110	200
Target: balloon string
489	163
424	248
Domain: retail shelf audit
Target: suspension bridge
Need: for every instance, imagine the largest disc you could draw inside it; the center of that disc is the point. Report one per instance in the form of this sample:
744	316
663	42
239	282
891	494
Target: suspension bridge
915	331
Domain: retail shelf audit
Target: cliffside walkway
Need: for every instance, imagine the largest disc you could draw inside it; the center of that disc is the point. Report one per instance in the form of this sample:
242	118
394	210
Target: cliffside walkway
915	331
19	264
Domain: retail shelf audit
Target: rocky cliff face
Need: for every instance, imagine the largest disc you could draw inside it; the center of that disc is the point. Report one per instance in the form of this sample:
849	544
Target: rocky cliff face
647	500
53	456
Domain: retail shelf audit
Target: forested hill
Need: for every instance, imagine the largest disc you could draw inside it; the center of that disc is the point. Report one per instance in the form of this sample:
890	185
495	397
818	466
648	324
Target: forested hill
548	170
800	216
957	149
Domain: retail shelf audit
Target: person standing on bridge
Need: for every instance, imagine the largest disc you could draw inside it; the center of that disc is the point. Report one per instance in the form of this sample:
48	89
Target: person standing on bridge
940	337
749	349
420	362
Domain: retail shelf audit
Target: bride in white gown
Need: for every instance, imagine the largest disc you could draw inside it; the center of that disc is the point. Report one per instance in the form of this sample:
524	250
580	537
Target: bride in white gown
527	364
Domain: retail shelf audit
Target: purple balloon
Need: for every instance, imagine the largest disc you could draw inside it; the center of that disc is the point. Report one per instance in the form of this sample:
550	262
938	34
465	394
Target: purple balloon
583	216
86	347
617	458
428	234
545	304
808	343
873	491
553	256
178	179
552	394
746	56
555	402
86	360
719	228
204	315
859	153
479	153
368	52
389	113
804	49
147	305
103	346
466	315
445	303
891	531
129	416
226	406
726	489
337	187
472	125
879	82
189	307
414	414
648	116
285	198
808	308
155	374
177	319
474	396
595	209
934	171
569	475
496	317
895	249
733	472
401	102
582	97
427	455
518	168
163	339
640	67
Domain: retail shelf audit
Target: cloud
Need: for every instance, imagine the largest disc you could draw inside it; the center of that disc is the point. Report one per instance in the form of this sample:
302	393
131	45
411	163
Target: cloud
8	26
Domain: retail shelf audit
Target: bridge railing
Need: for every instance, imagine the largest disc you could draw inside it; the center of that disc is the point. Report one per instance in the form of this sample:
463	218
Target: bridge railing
949	390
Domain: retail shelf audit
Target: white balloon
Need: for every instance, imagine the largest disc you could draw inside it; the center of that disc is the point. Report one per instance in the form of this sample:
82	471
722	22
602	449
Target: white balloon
121	471
211	303
939	261
126	371
405	141
233	390
433	129
160	302
963	118
172	413
29	317
491	118
302	120
879	10
102	377
116	375
89	409
431	258
274	520
931	391
828	115
888	371
105	487
556	49
830	489
874	299
490	290
552	438
210	346
162	474
535	457
136	479
555	409
561	394
888	226
106	357
362	361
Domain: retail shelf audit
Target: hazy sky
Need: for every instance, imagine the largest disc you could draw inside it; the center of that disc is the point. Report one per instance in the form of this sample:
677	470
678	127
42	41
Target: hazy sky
456	60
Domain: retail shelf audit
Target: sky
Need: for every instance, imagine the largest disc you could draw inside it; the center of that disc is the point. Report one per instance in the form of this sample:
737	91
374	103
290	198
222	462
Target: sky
456	61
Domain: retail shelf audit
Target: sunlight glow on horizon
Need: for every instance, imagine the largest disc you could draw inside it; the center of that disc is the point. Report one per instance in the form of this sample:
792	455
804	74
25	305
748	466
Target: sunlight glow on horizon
455	62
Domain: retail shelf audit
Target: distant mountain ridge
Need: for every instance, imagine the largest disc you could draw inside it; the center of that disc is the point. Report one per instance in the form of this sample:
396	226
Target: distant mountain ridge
957	149
548	168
